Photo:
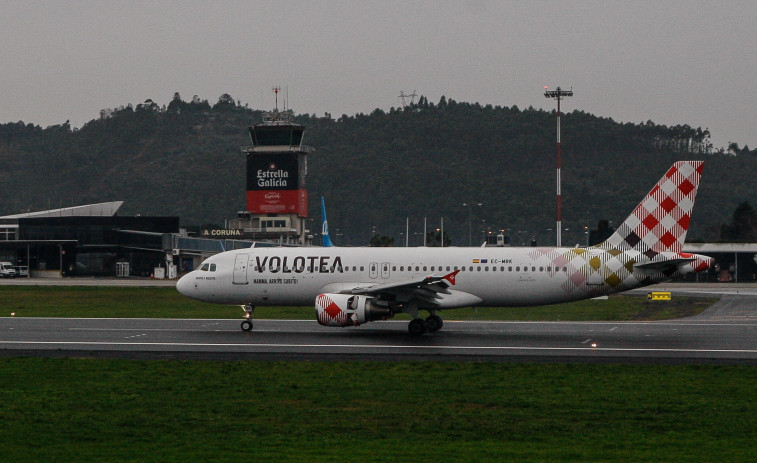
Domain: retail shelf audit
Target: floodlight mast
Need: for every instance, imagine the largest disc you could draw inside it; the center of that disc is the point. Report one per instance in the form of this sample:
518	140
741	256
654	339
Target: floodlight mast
558	95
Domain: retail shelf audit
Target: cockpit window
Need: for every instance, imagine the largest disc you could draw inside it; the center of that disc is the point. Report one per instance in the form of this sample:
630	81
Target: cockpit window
212	267
204	267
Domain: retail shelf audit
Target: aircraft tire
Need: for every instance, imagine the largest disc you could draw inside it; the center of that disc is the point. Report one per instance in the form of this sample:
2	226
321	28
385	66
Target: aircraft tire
246	325
434	323
417	326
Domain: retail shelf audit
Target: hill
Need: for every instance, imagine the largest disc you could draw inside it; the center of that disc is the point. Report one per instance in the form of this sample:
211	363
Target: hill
375	169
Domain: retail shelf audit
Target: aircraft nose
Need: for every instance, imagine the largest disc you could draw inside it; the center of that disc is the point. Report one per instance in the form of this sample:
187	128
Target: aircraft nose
184	285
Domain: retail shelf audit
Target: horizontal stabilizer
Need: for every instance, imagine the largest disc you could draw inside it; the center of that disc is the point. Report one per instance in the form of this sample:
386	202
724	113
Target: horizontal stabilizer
665	266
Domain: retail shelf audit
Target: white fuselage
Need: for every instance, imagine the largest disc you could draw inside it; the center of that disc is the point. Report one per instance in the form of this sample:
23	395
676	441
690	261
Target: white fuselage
503	276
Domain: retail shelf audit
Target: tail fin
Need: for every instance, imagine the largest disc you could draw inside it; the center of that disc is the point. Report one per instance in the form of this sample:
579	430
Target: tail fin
325	226
660	221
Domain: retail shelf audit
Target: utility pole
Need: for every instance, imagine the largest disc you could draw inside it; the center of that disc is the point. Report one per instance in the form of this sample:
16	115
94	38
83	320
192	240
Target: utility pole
470	219
558	95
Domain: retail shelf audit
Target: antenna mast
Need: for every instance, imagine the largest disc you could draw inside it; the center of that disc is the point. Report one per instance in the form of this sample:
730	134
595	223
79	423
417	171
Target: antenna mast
276	90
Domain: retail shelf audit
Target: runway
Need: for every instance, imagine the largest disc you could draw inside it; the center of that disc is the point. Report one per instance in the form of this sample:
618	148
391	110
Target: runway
725	333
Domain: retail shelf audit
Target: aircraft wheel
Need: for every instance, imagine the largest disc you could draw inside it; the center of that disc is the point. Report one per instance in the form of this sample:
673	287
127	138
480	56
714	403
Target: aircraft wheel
417	326
247	325
434	323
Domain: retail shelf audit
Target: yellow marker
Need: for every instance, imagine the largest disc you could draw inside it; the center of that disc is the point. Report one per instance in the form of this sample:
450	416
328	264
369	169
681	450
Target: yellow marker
659	296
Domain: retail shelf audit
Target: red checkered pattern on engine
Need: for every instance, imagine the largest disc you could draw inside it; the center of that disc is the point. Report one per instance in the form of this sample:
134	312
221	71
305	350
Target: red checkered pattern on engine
330	313
659	223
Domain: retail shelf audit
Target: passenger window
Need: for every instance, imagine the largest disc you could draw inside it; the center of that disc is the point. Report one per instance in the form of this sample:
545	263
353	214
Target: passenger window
565	269
478	269
509	269
517	269
425	268
533	269
448	268
470	269
362	269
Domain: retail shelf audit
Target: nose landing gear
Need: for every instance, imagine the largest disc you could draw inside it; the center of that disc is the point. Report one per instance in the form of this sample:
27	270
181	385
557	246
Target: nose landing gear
248	312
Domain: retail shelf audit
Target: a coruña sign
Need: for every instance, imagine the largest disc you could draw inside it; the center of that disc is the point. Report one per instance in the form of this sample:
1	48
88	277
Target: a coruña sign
220	233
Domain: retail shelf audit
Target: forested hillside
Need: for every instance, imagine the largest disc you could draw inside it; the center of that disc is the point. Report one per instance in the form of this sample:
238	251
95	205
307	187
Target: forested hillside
375	169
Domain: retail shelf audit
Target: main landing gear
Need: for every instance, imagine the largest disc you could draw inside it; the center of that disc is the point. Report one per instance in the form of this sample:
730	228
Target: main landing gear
247	323
419	326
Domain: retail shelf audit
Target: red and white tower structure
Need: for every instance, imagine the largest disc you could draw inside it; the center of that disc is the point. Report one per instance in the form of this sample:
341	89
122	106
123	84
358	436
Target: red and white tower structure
558	95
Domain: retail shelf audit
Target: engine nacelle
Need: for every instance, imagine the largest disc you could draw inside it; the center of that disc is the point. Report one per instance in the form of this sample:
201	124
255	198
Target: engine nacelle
348	310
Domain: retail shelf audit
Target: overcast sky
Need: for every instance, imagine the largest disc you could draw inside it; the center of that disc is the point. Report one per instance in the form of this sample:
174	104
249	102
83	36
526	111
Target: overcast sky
674	62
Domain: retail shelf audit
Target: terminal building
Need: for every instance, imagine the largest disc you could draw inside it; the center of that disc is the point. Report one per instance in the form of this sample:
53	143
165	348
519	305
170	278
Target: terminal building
90	240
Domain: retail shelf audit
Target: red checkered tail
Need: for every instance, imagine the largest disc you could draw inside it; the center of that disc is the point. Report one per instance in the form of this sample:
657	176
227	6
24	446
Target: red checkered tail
660	221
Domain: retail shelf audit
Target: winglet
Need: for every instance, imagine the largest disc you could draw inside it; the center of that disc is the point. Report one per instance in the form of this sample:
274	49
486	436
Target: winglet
325	226
451	276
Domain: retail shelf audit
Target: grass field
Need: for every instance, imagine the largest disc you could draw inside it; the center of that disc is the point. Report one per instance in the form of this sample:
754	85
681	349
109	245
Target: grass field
117	410
121	410
151	302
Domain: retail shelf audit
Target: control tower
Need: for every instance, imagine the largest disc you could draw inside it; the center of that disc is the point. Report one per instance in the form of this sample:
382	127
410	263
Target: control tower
277	165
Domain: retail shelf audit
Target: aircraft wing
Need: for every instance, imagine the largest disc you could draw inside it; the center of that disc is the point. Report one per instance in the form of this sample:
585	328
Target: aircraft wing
429	291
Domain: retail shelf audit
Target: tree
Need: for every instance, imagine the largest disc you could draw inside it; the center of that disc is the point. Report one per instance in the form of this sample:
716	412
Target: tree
382	241
603	231
743	226
434	238
225	101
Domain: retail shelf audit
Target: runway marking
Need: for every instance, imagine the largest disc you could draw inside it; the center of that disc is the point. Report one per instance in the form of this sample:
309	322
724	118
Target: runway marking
613	328
391	347
586	341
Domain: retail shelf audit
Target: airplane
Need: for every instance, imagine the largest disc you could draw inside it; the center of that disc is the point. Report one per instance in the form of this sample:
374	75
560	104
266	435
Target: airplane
353	286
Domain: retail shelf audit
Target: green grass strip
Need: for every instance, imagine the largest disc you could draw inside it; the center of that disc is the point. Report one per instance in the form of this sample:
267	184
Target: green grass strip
115	410
162	302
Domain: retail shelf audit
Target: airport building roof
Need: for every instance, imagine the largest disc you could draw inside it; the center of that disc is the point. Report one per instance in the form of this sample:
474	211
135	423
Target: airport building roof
108	209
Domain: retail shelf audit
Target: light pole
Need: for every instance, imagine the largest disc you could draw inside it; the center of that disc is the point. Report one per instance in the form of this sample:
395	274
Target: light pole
470	218
558	95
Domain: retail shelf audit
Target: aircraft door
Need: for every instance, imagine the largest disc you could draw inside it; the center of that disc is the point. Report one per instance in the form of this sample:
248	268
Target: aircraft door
594	269
385	270
373	270
240	269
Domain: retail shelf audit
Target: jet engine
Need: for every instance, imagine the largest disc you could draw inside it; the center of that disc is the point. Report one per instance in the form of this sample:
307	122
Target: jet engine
348	310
